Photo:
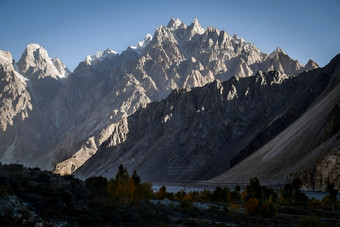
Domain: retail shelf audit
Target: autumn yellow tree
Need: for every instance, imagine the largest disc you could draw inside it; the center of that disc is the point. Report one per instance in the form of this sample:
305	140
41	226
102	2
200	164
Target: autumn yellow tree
125	189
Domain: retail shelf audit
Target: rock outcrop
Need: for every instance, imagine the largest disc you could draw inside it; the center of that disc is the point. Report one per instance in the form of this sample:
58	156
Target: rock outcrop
15	105
15	100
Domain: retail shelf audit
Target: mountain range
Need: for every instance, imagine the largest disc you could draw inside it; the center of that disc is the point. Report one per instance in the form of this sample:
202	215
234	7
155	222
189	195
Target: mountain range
194	103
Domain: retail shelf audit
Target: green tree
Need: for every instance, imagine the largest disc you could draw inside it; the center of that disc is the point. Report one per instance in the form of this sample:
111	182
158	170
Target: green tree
253	189
122	175
311	221
111	188
144	192
136	178
205	195
97	184
129	190
220	194
180	195
234	196
293	195
332	195
251	206
237	188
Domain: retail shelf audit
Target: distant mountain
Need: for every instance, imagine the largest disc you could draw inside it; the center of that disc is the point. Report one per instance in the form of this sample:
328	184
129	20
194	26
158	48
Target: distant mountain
28	88
177	56
69	116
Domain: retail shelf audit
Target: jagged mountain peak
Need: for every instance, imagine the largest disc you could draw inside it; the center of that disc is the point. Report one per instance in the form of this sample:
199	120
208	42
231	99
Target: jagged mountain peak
142	44
15	101
311	65
175	24
6	56
99	56
35	63
196	27
64	72
32	54
33	46
277	51
235	37
181	30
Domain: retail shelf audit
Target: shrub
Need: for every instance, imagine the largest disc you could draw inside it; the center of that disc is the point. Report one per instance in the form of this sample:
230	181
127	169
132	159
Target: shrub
234	208
244	195
96	183
310	221
292	195
267	210
144	192
263	208
234	196
251	206
220	194
180	195
314	203
254	188
205	195
186	204
187	197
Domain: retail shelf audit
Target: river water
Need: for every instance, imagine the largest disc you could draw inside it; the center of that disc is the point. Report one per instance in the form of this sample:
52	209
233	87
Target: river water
174	189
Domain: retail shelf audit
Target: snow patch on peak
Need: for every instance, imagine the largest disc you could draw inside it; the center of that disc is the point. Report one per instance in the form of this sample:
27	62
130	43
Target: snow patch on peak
33	46
21	77
34	52
145	42
35	63
142	44
100	56
276	52
62	70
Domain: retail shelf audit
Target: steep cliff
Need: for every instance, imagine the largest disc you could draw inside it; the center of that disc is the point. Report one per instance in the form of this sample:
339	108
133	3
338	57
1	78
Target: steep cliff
307	148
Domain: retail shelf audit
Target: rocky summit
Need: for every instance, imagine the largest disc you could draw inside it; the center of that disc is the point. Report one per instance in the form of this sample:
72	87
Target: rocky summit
187	100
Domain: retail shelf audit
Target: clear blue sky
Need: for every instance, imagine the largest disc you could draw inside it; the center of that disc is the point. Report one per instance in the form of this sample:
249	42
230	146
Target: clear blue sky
72	29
